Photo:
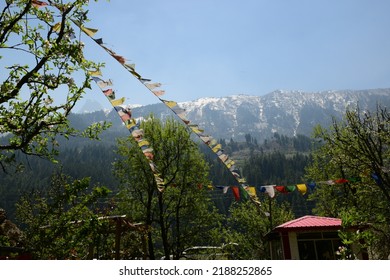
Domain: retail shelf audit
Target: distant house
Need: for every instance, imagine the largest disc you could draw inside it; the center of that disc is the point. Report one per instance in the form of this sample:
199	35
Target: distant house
307	238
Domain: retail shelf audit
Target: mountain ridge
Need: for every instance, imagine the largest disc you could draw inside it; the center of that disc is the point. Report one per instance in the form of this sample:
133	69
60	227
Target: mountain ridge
286	112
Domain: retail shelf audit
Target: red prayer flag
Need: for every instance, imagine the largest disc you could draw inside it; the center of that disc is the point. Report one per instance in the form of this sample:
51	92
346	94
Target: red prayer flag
121	59
341	181
281	189
236	193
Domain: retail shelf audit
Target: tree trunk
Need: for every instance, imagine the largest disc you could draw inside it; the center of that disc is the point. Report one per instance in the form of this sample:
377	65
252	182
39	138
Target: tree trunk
164	235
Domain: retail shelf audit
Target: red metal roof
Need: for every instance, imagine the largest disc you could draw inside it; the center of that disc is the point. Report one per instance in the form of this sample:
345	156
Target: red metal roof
310	222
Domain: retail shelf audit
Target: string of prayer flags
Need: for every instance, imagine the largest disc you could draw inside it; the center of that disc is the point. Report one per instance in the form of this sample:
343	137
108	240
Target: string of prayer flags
153	88
272	190
131	124
208	140
303	188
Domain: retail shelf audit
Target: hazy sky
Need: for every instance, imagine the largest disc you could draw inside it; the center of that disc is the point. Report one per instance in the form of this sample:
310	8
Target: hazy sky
206	48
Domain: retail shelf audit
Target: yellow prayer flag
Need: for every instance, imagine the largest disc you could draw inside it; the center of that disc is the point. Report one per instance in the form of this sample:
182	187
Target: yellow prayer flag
251	191
197	130
131	123
213	142
118	102
130	66
135	74
143	143
89	31
95	73
302	188
217	148
170	104
229	163
57	27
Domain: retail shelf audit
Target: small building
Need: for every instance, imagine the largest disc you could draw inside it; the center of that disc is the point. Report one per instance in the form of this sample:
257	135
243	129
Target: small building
307	238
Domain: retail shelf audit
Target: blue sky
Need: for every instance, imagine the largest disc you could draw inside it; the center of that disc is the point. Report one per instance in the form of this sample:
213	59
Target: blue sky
214	48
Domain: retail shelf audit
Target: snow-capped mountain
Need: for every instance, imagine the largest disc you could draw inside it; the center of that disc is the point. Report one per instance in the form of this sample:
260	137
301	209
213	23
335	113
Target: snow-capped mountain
285	112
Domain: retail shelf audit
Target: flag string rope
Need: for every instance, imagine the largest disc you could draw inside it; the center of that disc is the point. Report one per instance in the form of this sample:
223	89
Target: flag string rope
216	148
131	124
154	88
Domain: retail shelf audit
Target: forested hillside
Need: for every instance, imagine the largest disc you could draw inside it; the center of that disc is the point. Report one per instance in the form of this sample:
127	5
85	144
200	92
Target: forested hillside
279	160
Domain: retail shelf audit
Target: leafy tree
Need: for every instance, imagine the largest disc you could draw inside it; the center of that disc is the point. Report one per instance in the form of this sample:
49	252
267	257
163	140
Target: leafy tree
357	149
181	216
248	227
44	74
62	222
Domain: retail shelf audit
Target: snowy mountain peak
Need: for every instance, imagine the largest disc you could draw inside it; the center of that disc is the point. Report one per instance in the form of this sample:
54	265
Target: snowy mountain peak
282	111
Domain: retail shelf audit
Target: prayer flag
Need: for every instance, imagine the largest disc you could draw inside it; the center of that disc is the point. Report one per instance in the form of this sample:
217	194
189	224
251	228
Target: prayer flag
196	130
132	125
223	157
125	117
216	148
137	133
143	142
147	150
205	139
236	193
341	181
119	58
135	74
269	189
89	31
95	73
97	79
103	84
149	155
38	4
153	167
109	93
57	27
130	66
229	163
243	192
251	191
99	41
170	104
281	189
311	185
302	188
153	86
290	188
118	102
158	92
